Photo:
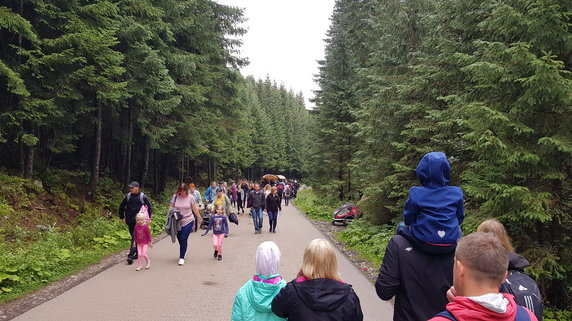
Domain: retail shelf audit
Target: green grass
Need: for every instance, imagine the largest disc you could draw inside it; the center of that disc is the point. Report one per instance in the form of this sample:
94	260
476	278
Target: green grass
368	240
314	206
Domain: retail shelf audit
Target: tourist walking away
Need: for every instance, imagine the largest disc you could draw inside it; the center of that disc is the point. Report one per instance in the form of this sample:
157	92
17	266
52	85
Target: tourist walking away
518	283
419	281
185	204
143	240
287	194
318	293
267	189
210	193
128	209
233	194
219	224
194	192
245	188
272	207
253	300
240	197
481	263
222	199
280	188
433	211
256	202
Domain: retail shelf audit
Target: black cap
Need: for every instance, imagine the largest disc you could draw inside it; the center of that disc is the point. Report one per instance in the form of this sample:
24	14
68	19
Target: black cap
133	184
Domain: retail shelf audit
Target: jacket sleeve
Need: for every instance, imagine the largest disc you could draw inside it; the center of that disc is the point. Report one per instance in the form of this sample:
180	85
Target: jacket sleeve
358	314
263	201
148	234
280	302
461	209
122	207
410	212
207	194
237	309
388	281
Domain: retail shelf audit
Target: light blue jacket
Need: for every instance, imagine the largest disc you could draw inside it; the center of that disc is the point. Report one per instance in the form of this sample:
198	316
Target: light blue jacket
253	300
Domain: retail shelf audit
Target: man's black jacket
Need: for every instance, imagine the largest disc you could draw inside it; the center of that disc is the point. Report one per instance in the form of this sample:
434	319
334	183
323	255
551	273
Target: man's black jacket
419	281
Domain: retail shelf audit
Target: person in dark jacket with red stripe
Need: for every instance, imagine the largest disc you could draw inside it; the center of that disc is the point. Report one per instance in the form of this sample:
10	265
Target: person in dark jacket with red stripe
318	293
128	209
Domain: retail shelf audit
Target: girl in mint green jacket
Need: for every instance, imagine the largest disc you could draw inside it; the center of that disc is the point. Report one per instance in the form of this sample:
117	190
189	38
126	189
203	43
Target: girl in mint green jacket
253	300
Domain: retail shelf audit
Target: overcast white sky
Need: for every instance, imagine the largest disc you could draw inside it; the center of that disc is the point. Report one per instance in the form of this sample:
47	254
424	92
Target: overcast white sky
284	40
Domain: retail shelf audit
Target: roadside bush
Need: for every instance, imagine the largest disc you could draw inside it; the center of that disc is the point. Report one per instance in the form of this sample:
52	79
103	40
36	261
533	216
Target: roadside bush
367	239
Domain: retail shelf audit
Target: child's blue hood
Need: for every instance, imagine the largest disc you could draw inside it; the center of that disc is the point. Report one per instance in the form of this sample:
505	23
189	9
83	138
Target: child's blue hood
434	169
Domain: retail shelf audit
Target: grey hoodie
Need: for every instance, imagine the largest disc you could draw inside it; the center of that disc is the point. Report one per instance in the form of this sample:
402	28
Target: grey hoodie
172	226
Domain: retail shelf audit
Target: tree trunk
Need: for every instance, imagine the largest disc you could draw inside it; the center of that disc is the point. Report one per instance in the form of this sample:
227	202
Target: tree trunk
22	158
30	163
145	161
96	153
129	147
557	217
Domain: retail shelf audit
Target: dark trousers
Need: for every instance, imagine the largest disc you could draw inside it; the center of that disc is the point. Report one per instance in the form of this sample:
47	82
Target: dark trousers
239	204
183	237
286	200
132	247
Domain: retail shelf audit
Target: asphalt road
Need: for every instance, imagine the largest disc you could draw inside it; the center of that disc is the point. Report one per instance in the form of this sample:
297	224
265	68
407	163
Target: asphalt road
202	289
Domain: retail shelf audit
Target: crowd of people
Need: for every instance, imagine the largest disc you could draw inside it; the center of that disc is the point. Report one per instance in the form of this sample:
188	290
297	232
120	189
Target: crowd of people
432	271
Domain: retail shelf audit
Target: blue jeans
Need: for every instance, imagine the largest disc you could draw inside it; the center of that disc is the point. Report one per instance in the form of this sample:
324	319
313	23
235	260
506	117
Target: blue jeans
183	237
273	218
257	218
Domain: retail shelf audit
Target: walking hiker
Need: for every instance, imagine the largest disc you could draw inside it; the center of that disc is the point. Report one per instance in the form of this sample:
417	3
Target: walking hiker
233	194
185	204
481	263
219	224
210	193
256	202
143	239
222	199
287	194
240	198
318	293
194	192
272	207
253	300
128	209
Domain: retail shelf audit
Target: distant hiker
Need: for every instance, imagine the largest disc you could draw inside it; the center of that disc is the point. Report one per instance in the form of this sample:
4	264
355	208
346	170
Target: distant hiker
245	188
318	293
518	283
185	204
253	300
434	211
272	207
194	192
240	198
210	193
128	209
233	194
481	263
222	199
280	188
287	194
267	190
256	202
219	224
143	240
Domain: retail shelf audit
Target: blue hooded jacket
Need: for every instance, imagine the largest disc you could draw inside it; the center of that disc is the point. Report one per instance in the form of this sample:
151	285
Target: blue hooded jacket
435	210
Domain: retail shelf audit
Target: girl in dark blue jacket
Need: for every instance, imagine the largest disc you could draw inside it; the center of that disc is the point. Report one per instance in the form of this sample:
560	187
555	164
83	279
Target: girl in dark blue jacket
433	211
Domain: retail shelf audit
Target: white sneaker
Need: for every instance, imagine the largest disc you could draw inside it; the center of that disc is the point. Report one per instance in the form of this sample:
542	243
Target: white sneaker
138	268
181	261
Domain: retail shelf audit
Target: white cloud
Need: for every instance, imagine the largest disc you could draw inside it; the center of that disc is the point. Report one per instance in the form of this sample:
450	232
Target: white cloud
284	40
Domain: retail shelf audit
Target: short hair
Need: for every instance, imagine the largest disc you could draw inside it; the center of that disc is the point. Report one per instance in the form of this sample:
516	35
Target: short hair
484	255
192	185
319	261
495	227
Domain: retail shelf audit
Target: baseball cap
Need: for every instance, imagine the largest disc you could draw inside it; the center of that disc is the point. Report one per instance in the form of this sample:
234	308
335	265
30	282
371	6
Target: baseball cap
133	184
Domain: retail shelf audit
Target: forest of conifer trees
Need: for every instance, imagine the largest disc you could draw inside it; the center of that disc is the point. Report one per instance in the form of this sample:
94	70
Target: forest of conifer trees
487	82
139	90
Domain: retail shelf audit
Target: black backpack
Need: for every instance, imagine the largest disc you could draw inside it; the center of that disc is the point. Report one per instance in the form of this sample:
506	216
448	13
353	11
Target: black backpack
525	291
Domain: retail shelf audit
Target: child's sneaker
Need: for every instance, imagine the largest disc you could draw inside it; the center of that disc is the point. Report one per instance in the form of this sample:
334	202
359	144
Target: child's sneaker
215	254
181	261
148	266
138	268
220	257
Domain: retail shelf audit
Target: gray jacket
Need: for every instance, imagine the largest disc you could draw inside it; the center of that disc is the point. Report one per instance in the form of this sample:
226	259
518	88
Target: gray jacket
172	226
256	199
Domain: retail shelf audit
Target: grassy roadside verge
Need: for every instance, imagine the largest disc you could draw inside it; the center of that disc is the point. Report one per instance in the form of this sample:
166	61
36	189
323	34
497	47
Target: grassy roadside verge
40	243
366	239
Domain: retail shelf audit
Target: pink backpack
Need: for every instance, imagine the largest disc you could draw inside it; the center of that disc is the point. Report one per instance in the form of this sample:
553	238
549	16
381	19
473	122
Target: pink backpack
145	211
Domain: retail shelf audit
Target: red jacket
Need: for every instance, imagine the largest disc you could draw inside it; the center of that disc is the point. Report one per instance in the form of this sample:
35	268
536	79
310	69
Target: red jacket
465	309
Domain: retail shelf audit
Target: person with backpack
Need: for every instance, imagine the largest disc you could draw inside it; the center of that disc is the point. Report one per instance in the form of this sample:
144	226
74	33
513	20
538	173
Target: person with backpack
481	263
128	209
518	283
287	194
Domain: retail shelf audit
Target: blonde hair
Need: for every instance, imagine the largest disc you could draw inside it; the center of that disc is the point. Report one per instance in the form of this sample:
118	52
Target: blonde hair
495	227
221	207
273	189
140	216
319	261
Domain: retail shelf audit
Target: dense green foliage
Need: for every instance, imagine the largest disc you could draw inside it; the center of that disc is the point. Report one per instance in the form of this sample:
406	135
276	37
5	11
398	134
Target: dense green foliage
317	207
139	90
487	82
43	237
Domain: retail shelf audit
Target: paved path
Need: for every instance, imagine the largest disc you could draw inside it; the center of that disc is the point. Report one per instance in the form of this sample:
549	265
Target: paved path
203	289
